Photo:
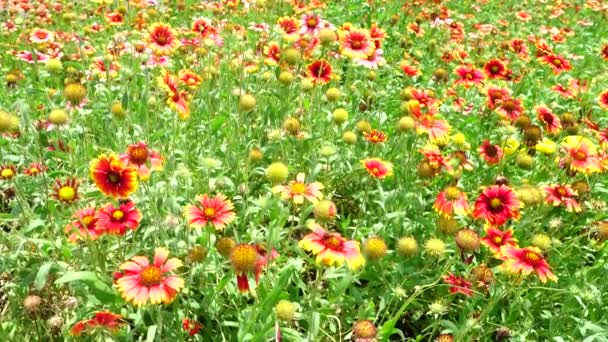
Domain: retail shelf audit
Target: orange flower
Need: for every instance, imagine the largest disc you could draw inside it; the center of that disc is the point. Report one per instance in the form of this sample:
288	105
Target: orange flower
557	62
552	123
177	99
84	225
356	43
102	320
112	176
162	39
495	69
138	155
452	201
468	76
143	281
331	248
112	220
377	168
492	154
217	210
525	261
581	155
562	194
495	239
602	100
496	204
320	72
298	190
375	136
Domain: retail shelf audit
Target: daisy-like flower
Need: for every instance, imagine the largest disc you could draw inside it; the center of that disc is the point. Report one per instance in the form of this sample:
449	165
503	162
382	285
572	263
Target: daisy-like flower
162	39
496	204
510	108
557	62
331	248
34	169
114	18
298	190
218	211
562	195
112	176
319	72
7	171
116	221
189	78
356	43
377	168
468	76
495	69
375	136
83	227
143	281
581	154
452	201
495	239
138	155
373	61
525	261
247	258
177	99
66	192
102	321
310	24
552	123
602	100
204	27
41	36
290	26
459	285
492	154
437	129
272	53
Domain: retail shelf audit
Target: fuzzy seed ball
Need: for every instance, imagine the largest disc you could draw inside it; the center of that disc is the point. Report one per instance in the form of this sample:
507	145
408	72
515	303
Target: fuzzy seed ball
307	84
374	248
58	117
327	151
255	155
224	245
435	247
277	173
327	36
291	56
437	308
54	65
31	304
285	310
247	102
267	76
425	170
340	116
55	323
324	210
75	93
8	121
532	134
291	125
405	124
364	330
581	187
363	126
243	258
530	195
349	137
542	241
524	161
407	246
601	230
274	135
573	130
440	75
333	94
286	77
11	79
197	253
467	240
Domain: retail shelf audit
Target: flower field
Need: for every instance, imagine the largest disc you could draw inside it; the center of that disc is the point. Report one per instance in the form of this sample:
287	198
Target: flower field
303	170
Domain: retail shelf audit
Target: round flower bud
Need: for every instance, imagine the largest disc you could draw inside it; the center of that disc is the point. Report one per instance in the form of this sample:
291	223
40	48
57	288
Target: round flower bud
434	247
581	187
405	124
32	303
277	173
247	102
601	230
371	75
374	248
407	246
349	137
425	170
440	75
286	77
117	110
324	210
291	56
524	161
340	116
364	126
542	241
467	240
406	94
243	258
327	36
8	121
224	245
364	331
75	93
285	310
291	125
197	253
255	155
274	135
333	94
54	65
532	135
58	117
11	79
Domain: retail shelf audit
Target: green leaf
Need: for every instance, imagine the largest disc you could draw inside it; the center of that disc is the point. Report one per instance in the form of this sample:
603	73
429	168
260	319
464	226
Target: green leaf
151	333
43	274
74	276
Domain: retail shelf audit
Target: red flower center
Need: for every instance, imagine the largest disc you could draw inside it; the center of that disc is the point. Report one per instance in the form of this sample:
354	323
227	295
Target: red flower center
209	212
333	242
491	151
137	154
113	177
557	62
580	155
356	44
532	257
548	118
312	22
150	276
161	37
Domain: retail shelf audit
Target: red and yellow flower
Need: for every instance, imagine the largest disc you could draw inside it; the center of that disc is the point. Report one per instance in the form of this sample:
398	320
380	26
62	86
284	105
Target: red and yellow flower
139	155
562	195
452	201
66	192
319	72
377	168
495	239
116	221
468	76
143	281
497	204
84	227
112	176
525	261
356	43
552	123
162	39
581	155
218	211
331	248
298	190
102	321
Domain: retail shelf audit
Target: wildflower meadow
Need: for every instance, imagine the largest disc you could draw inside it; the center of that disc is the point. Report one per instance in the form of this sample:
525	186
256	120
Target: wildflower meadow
303	170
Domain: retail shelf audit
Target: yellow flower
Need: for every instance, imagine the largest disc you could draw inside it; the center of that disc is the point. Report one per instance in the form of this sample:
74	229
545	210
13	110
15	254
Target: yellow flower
546	146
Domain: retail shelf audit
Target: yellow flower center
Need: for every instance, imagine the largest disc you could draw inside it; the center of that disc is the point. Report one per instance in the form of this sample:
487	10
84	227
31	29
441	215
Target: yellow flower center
508	105
150	276
333	242
532	256
118	214
298	188
209	212
312	22
375	171
87	220
495	203
452	193
469	76
494	68
7	173
557	62
498	240
34	171
66	194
